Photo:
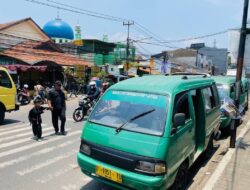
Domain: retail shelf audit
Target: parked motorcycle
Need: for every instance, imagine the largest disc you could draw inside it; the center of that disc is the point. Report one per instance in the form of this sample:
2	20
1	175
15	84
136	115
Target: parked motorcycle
23	95
85	107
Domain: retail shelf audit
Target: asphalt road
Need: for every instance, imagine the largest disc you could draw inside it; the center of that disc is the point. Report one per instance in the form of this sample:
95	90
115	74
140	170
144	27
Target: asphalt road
51	164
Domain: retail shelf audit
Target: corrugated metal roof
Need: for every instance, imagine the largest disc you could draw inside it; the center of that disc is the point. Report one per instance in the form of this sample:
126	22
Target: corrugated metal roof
33	52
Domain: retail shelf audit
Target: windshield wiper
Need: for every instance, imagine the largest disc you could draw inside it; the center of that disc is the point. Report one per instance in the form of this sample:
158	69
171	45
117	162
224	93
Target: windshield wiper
118	129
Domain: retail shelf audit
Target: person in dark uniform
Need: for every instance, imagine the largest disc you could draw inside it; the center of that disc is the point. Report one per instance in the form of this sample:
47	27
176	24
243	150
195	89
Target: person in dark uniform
35	118
57	104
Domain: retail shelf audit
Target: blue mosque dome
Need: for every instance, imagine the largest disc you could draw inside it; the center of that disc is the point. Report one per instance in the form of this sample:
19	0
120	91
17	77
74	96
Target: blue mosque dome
58	29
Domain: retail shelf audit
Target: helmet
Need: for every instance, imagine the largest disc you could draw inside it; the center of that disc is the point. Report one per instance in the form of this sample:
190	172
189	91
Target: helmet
37	99
92	83
26	86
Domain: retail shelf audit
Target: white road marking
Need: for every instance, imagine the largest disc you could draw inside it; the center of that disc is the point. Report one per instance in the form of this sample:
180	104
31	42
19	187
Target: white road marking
7	128
23	148
4	145
22	135
16	130
38	153
77	185
69	119
51	176
225	160
46	163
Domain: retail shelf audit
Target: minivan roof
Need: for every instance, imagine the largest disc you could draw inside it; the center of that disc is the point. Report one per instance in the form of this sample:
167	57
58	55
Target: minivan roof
225	79
160	84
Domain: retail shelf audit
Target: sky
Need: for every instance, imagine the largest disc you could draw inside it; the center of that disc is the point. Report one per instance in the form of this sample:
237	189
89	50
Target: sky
169	19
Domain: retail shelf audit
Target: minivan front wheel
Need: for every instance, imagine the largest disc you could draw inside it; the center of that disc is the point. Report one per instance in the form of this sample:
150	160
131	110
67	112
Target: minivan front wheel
180	182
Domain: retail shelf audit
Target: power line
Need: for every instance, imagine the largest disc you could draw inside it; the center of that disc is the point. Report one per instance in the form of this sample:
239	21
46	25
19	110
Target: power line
146	50
88	11
198	37
141	28
72	10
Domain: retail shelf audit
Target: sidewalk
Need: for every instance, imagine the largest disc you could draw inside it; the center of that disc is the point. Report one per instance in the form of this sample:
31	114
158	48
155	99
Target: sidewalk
234	171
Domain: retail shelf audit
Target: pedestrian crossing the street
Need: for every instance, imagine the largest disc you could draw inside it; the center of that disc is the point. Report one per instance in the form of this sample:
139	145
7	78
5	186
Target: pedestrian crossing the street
40	164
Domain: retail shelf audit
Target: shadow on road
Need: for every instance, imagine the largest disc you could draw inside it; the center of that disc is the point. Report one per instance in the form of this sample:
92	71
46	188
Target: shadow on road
198	164
95	185
10	121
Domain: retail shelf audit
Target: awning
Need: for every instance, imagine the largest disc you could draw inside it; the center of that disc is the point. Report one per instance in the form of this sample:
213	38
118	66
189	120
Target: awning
25	68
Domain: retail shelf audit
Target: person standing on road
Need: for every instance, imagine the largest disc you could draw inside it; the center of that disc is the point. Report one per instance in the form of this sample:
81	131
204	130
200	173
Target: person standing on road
57	104
73	90
35	118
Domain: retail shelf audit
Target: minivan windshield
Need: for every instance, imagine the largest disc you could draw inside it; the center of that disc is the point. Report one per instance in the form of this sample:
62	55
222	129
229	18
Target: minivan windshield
117	108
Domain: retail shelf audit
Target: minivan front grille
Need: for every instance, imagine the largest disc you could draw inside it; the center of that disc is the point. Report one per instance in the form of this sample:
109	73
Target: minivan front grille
117	158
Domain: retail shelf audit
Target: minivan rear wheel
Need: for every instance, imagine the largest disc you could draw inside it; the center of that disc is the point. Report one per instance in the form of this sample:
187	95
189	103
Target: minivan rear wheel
180	182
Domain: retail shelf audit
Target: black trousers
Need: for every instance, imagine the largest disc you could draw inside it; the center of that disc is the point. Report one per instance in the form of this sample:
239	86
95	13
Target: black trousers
56	115
37	130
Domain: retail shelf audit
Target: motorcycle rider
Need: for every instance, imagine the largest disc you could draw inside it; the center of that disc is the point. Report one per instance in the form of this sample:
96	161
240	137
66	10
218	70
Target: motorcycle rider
105	86
93	92
24	95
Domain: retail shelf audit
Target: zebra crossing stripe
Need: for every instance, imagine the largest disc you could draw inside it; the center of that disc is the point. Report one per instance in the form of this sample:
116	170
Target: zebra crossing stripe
4	145
29	146
46	163
18	128
37	153
15	130
20	135
7	128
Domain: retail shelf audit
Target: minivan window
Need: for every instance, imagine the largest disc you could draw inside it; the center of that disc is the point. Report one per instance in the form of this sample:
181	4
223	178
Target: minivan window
182	104
216	95
117	107
209	99
5	80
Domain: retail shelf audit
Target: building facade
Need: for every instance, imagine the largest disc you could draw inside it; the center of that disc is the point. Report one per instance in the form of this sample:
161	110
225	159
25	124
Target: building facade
213	60
33	57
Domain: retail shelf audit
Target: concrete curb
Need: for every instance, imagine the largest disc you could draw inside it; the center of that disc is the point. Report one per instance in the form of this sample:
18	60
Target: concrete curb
224	162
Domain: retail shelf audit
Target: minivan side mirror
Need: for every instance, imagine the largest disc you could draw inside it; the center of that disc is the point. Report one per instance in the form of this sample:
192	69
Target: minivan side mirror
179	119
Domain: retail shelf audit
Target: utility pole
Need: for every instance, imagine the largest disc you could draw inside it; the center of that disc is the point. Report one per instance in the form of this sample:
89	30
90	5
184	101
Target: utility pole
240	62
128	23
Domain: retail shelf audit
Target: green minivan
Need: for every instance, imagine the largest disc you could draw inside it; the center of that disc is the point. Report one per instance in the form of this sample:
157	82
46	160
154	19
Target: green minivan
226	88
144	133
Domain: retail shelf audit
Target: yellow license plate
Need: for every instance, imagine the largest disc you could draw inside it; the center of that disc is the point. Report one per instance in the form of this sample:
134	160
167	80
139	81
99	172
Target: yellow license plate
108	174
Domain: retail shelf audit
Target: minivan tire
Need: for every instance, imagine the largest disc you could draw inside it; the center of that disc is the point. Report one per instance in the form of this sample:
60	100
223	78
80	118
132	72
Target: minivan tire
2	115
181	178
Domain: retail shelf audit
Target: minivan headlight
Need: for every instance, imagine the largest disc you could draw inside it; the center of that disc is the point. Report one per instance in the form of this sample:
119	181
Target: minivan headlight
84	148
151	168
